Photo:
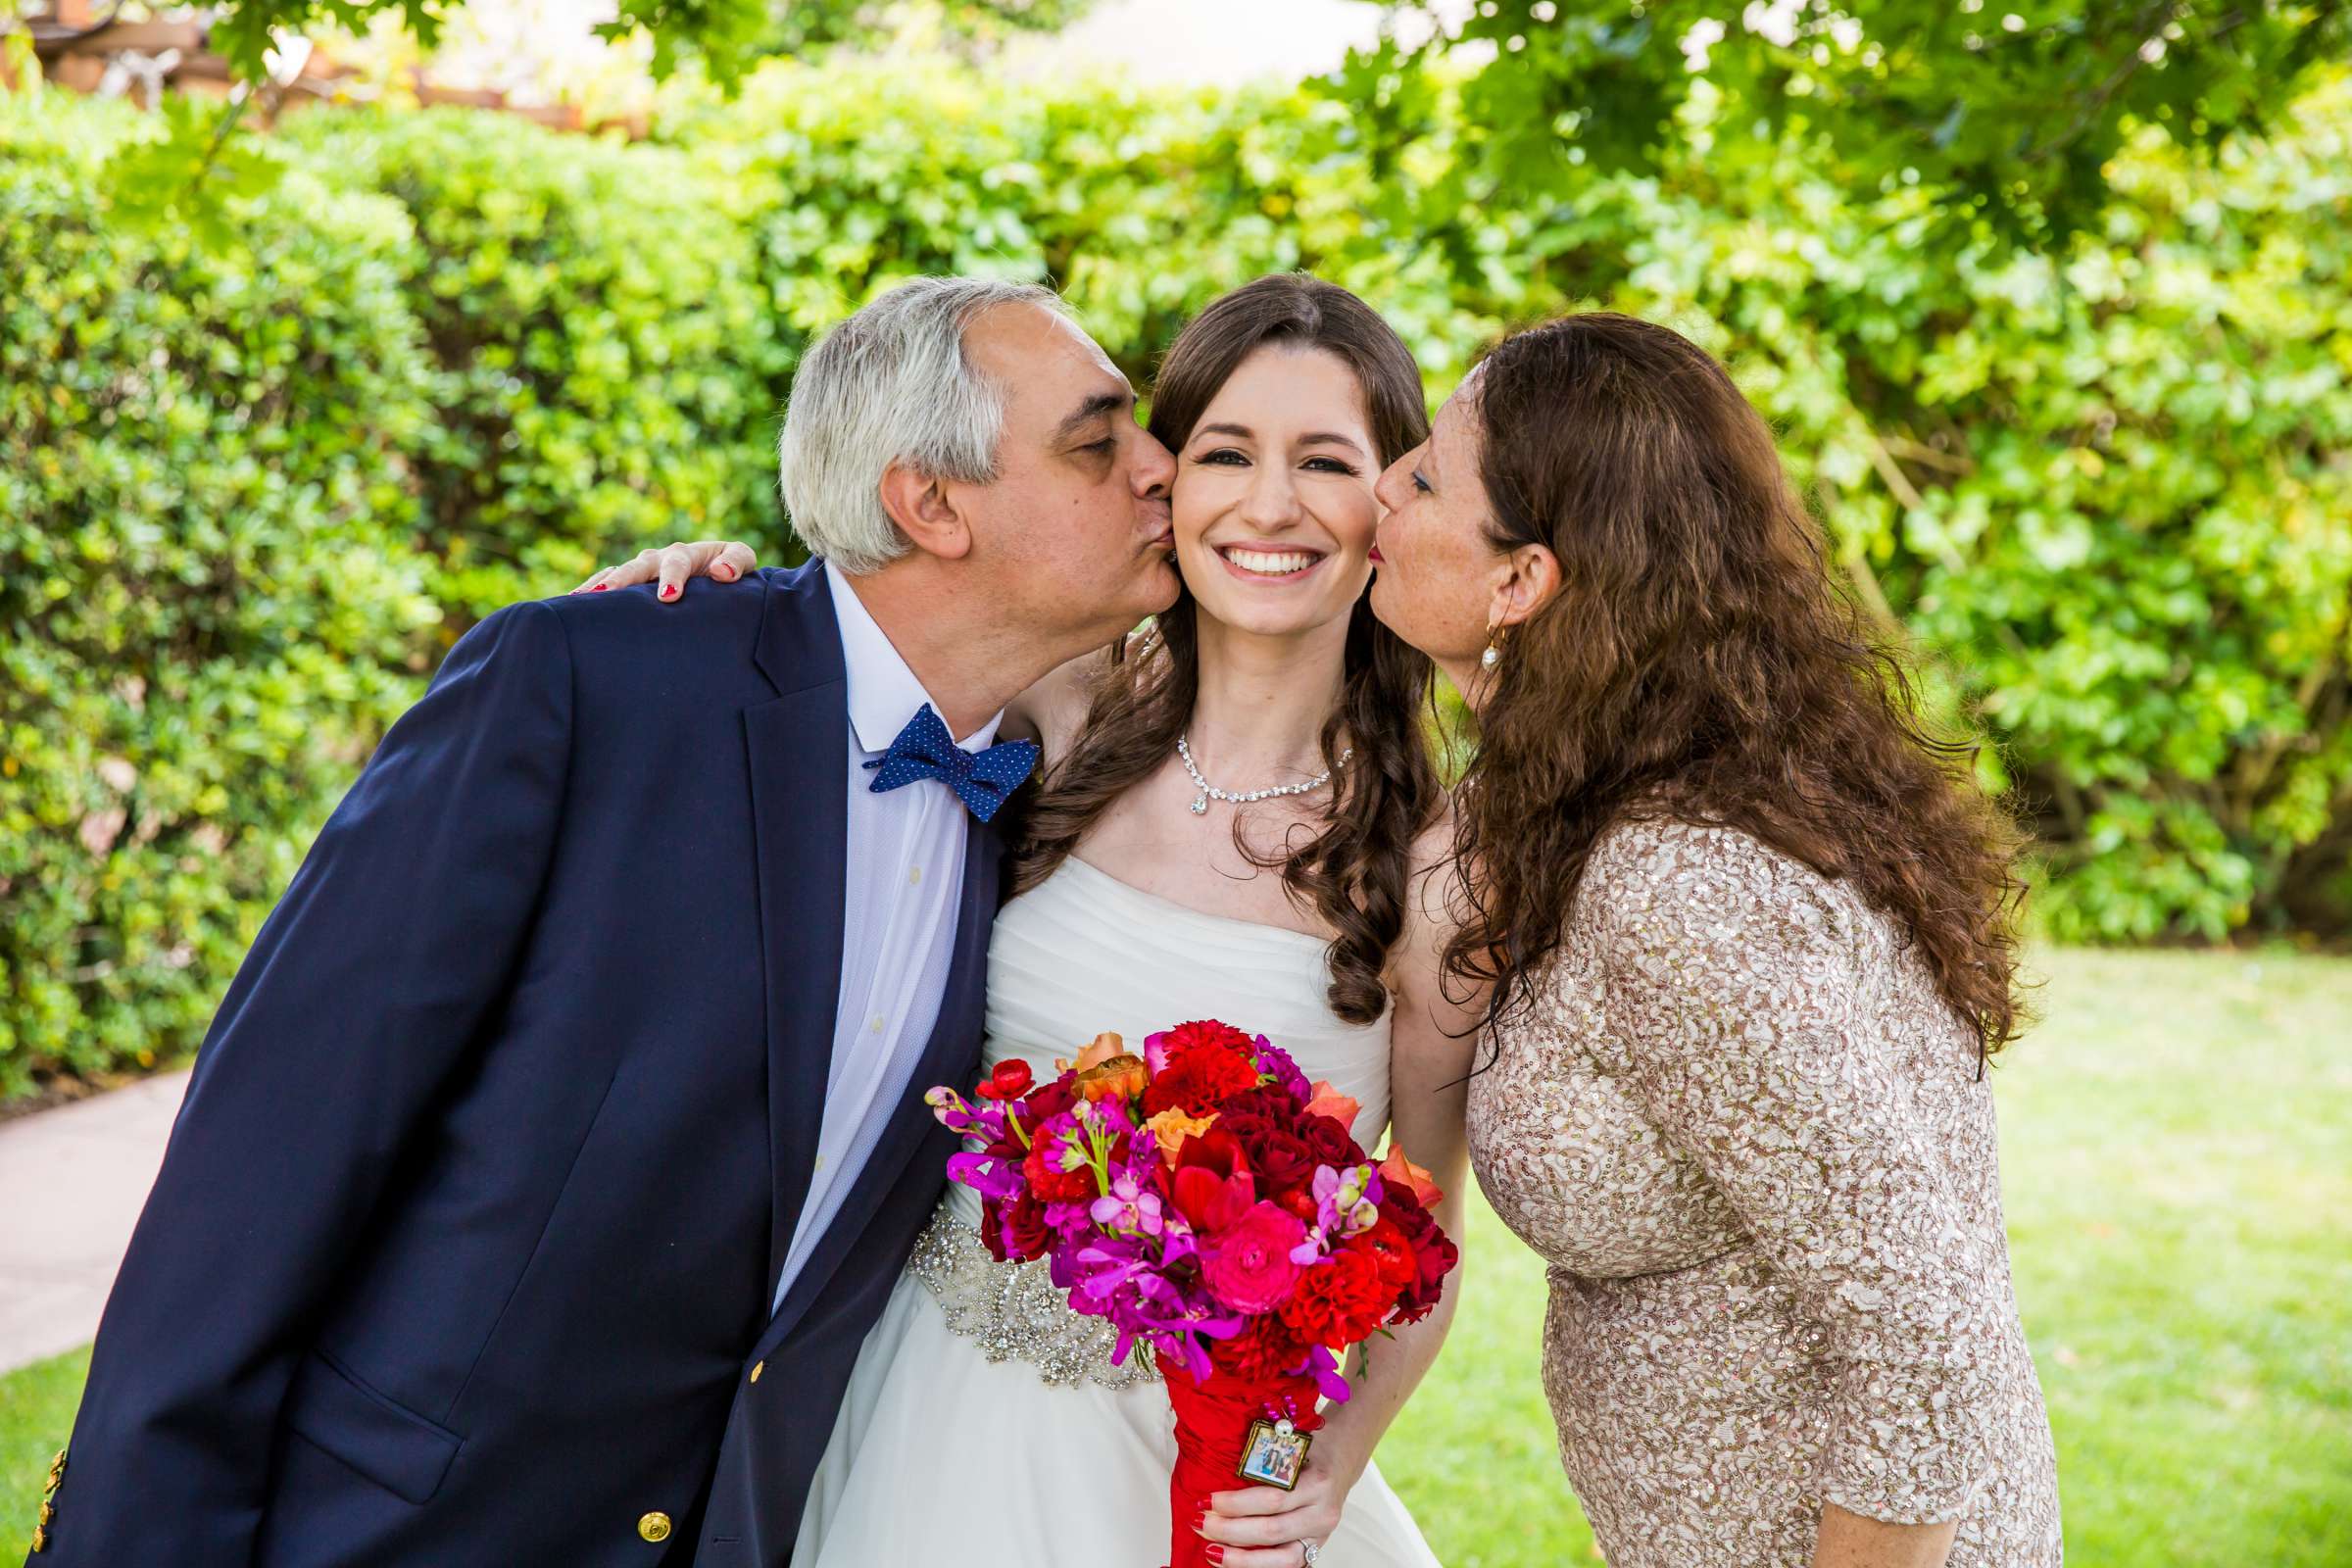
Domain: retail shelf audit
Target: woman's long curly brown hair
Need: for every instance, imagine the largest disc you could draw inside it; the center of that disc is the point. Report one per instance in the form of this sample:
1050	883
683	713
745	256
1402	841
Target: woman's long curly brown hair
1354	873
1698	662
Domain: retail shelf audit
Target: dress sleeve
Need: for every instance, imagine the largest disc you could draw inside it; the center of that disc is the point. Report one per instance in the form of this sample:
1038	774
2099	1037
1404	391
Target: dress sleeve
1747	1017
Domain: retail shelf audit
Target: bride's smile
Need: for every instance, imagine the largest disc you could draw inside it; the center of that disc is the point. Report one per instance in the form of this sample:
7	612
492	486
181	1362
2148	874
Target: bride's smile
1285	566
1273	503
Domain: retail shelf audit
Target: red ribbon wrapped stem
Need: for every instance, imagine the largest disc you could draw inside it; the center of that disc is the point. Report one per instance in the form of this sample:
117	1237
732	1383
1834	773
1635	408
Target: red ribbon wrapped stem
1212	1426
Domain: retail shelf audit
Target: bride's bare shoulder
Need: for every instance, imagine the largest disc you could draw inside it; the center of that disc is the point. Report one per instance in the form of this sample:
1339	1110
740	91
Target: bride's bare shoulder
1053	710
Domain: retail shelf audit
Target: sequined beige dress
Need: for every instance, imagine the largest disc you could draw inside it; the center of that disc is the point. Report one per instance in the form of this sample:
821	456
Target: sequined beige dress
1749	1138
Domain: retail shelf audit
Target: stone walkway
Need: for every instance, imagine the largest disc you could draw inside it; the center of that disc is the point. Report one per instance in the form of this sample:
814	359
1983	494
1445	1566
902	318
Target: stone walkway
74	1180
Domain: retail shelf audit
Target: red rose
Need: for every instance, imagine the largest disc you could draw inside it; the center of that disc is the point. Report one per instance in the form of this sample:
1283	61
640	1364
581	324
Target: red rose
992	1228
1263	1350
1015	1231
1196	1080
1433	1258
1339	1301
1270	1102
1040	1106
1011	1080
1330	1143
1279	1155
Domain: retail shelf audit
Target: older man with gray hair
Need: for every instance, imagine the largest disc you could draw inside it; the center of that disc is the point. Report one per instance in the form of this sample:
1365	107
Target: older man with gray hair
485	1237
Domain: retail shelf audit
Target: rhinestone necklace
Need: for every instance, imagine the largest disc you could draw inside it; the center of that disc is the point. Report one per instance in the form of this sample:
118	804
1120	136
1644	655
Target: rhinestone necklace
1209	792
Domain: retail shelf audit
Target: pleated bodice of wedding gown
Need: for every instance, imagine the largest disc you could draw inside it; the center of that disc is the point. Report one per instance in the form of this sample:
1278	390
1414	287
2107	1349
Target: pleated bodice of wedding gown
984	1422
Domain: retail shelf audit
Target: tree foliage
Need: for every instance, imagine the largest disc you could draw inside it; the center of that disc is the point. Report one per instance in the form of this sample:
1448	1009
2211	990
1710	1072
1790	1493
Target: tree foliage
2009	117
247	496
724	37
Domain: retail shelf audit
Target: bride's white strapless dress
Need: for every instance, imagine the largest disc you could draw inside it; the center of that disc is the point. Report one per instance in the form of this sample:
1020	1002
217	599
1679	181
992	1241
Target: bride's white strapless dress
984	1424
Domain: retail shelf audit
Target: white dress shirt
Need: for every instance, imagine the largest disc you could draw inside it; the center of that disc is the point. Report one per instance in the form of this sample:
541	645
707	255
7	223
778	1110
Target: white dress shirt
898	921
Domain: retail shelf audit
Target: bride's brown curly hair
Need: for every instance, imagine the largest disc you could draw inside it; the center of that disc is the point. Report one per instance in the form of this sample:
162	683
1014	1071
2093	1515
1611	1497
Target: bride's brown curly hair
1699	664
1353	873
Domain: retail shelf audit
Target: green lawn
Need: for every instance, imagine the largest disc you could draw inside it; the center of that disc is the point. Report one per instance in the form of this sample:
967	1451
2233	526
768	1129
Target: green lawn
2177	1137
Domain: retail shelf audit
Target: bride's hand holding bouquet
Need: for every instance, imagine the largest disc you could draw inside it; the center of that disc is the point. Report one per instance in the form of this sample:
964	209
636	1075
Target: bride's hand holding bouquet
1209	1203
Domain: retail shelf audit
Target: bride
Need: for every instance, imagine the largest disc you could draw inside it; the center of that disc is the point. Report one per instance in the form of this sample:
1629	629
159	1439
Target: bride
1235	821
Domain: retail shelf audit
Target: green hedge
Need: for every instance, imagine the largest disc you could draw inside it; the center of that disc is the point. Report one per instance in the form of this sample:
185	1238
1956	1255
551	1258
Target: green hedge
2113	488
605	367
207	592
245	499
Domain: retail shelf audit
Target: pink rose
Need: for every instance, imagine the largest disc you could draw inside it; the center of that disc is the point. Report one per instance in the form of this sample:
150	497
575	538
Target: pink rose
1248	1267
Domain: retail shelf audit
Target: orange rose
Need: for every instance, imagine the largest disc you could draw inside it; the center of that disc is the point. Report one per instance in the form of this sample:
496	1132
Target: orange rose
1104	1046
1329	1102
1171	1127
1402	1172
1113	1077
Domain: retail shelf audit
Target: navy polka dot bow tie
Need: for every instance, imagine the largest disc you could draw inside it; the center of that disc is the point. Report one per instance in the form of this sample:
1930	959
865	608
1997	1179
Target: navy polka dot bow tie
981	781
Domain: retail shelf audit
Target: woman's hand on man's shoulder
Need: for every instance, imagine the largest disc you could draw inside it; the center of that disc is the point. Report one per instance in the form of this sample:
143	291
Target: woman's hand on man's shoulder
670	566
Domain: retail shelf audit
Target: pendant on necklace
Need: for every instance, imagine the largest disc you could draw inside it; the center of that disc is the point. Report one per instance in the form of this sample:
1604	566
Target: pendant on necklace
1200	805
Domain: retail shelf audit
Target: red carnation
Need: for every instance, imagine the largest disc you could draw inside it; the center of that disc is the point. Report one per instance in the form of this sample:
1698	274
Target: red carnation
1391	1253
1196	1080
1339	1301
1264	1350
1207	1032
1051	1183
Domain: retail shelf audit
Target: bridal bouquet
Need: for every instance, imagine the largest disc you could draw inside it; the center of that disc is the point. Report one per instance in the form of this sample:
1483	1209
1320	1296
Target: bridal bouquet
1211	1203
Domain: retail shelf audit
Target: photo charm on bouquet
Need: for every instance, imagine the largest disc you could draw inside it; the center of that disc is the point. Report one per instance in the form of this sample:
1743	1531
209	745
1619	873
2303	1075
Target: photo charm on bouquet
1212	1205
1276	1455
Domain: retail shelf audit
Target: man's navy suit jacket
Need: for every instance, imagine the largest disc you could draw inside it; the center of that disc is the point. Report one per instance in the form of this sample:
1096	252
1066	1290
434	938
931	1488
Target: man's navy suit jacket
465	1245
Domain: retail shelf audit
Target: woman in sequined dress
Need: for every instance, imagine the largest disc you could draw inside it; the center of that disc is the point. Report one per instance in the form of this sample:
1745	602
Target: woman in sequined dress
1747	926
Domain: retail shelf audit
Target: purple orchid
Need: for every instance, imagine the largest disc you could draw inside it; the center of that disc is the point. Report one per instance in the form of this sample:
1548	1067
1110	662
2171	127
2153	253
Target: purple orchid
1347	1203
1129	1209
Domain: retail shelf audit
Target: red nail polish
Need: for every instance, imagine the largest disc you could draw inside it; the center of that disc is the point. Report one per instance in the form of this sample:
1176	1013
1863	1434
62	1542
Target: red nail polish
600	587
670	593
1216	1553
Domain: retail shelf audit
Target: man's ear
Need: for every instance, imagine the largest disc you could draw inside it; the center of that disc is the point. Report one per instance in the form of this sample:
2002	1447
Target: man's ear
926	513
1531	577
